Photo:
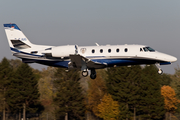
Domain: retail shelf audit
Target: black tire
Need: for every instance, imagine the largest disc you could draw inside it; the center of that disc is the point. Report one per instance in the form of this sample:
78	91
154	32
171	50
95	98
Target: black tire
93	76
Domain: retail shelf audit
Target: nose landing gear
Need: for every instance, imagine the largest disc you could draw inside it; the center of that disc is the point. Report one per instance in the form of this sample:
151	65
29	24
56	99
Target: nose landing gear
160	71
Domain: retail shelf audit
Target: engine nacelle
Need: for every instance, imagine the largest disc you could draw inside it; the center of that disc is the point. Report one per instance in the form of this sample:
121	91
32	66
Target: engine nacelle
63	51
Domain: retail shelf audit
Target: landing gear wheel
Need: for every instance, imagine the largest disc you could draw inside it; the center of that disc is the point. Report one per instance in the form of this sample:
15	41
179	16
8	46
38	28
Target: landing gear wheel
160	71
93	74
84	73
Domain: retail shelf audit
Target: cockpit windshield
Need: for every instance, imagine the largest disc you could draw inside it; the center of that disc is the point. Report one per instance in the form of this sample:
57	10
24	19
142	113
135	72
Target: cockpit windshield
145	49
148	49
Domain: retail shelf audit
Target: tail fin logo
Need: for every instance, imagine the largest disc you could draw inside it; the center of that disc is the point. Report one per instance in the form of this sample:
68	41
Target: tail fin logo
12	28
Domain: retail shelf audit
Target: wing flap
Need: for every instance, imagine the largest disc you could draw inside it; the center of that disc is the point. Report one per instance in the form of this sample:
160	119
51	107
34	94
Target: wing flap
79	61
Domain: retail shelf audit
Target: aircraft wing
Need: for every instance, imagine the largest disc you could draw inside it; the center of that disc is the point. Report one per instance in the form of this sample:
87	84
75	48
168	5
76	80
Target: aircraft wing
81	62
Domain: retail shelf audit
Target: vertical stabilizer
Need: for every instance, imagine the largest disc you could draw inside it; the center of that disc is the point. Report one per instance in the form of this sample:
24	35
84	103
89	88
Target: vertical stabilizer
16	38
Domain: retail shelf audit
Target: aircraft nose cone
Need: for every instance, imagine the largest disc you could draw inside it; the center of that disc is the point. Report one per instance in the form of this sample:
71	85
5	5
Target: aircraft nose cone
170	58
173	59
167	58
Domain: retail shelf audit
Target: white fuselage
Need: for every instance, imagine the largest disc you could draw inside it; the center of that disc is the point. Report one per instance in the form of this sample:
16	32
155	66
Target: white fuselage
109	55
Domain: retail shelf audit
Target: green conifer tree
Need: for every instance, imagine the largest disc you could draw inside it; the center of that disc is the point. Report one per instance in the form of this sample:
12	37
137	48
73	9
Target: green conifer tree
23	92
165	79
123	85
5	79
137	90
175	84
69	99
5	73
151	103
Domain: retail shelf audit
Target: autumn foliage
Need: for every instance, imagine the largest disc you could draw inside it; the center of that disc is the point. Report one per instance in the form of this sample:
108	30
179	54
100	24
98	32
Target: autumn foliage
108	108
170	99
96	91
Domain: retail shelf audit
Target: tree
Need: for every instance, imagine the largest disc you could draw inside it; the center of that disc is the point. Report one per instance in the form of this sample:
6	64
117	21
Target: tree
97	89
46	90
5	78
23	92
137	90
108	108
69	97
165	79
151	102
170	99
123	85
15	63
175	84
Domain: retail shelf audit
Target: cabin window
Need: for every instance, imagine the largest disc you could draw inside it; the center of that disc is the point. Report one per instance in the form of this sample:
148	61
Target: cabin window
109	50
125	50
141	50
117	50
101	50
93	51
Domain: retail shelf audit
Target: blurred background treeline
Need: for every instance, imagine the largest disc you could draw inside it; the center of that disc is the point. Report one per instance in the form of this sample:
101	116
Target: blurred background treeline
120	93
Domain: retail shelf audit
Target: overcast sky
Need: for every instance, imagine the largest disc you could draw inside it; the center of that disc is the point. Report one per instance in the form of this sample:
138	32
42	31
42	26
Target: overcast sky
155	23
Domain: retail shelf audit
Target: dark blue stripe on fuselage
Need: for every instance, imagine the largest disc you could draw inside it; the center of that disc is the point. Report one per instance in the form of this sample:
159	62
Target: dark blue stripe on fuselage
46	62
109	62
123	62
16	50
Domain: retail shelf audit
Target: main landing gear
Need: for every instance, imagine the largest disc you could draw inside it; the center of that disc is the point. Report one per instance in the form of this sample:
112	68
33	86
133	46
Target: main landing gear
92	75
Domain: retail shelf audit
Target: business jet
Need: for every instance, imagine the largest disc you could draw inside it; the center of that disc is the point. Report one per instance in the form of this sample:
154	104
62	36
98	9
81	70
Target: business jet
84	58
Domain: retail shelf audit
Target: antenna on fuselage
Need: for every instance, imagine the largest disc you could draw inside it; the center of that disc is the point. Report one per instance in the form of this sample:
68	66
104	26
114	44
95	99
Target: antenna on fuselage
97	44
